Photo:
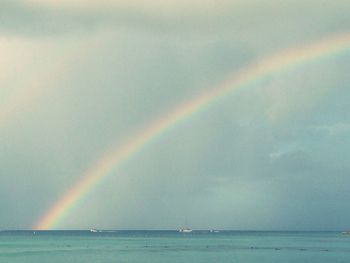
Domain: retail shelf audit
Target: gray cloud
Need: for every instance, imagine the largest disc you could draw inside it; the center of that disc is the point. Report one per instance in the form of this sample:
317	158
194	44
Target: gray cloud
36	19
297	161
335	129
256	153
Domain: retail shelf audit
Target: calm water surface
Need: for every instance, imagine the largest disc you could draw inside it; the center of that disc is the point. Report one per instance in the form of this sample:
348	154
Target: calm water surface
171	246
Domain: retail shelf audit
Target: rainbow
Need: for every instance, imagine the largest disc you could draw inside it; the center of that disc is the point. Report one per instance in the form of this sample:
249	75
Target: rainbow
111	162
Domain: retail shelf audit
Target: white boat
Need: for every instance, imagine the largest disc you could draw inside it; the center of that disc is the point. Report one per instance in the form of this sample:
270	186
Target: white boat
185	230
346	232
93	230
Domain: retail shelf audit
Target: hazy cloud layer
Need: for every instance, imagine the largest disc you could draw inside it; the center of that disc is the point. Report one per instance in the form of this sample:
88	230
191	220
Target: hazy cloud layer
78	79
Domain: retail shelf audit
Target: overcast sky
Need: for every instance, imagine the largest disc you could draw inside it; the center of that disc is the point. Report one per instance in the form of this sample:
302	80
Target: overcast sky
77	78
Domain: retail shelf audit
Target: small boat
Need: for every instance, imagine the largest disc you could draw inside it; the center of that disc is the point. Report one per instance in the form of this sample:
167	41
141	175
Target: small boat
213	231
93	230
185	230
346	232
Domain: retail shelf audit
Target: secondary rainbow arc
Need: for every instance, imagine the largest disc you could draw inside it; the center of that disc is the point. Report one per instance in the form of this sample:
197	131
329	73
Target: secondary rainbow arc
113	160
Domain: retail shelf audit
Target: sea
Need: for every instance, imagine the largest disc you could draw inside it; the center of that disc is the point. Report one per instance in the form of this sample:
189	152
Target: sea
172	246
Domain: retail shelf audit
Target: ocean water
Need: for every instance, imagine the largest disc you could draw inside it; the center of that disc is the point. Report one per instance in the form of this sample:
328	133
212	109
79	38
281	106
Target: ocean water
171	246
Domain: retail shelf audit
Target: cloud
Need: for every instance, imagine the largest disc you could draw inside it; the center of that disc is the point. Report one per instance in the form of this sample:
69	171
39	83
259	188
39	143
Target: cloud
36	18
149	6
251	151
292	161
340	128
249	20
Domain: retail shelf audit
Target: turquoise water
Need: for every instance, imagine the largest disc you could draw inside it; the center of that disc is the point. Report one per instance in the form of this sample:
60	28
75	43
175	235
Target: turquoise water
171	246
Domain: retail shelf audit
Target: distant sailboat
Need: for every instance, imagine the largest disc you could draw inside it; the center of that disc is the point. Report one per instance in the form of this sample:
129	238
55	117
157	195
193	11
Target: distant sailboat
185	230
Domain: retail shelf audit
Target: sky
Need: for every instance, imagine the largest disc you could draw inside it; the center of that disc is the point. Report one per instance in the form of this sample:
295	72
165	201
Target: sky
78	78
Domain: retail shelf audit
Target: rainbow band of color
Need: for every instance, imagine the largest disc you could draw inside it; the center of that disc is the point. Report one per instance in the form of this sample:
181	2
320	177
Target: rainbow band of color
112	161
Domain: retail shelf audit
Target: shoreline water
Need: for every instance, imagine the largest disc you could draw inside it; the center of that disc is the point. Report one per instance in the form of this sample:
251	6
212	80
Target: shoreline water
75	246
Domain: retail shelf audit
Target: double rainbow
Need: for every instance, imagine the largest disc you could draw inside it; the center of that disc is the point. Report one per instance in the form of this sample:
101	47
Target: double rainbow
111	162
